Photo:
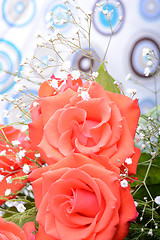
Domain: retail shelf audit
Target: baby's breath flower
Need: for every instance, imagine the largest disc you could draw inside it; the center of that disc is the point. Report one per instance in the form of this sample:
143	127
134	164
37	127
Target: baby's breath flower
145	51
3	153
157	200
8	192
128	161
85	95
26	169
150	232
16	143
21	154
124	183
75	74
95	74
21	208
37	155
9	179
35	104
1	177
147	71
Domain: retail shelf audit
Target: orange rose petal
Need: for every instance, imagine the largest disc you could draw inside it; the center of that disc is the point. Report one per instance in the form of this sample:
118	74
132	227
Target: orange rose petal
36	131
101	135
125	145
100	104
75	233
51	129
50	225
49	153
97	91
68	116
129	109
127	213
50	105
116	125
41	235
65	143
109	151
37	187
12	230
89	207
45	90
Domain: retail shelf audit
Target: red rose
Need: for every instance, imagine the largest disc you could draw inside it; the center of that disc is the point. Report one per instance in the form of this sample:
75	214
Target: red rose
10	231
103	125
77	199
13	144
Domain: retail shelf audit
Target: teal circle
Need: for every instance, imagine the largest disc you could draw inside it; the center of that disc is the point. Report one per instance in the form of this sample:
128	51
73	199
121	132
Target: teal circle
114	17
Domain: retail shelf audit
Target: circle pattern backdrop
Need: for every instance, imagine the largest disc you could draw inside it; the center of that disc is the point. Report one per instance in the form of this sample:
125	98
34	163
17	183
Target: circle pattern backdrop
10	58
18	13
138	61
150	9
60	15
82	62
101	22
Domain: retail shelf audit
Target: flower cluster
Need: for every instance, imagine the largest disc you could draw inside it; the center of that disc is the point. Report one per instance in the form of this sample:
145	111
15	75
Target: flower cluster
85	136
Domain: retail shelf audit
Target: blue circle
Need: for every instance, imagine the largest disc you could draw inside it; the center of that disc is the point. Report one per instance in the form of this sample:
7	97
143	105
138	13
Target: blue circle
10	66
14	24
60	15
114	16
19	60
150	14
19	7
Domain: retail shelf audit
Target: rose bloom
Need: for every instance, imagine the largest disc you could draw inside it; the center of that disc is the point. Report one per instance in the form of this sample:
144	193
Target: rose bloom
77	198
12	141
10	231
103	125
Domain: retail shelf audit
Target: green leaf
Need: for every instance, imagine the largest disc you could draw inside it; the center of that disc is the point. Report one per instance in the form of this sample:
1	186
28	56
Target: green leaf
106	80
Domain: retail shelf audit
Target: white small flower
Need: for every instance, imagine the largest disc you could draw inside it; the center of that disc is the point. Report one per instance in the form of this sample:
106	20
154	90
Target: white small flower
7	192
153	154
3	153
24	128
37	155
21	154
145	51
18	87
157	200
21	208
9	179
128	77
75	74
95	74
124	183
149	63
35	104
85	95
54	83
147	71
1	177
143	146
15	143
66	66
29	188
150	232
128	161
26	169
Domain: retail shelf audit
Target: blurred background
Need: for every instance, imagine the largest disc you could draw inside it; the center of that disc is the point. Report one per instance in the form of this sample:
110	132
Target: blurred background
139	28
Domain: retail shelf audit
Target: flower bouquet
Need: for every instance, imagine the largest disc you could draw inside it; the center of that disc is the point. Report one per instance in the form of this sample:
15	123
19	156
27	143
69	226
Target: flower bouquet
76	172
